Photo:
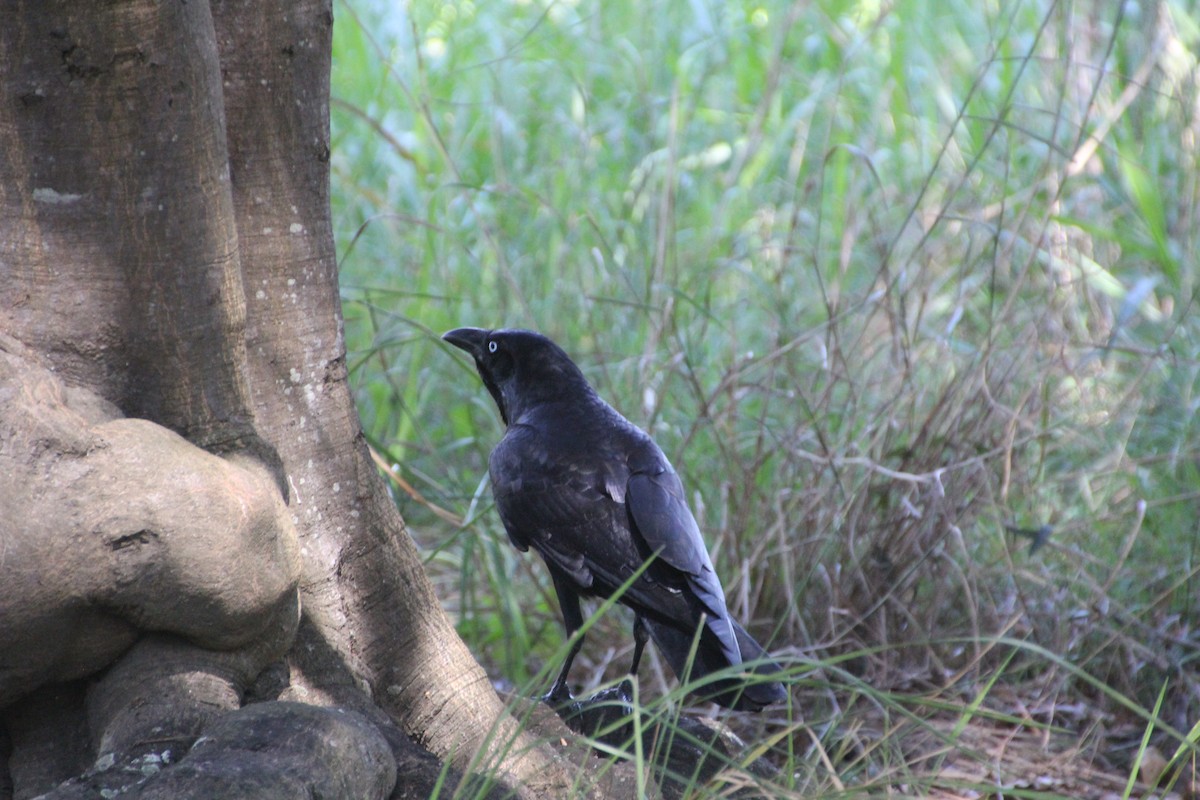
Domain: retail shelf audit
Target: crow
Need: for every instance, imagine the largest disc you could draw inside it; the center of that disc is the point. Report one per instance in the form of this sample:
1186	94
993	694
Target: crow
597	499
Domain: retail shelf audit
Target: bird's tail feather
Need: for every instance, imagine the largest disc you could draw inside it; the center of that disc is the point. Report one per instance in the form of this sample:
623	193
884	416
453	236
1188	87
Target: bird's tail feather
743	694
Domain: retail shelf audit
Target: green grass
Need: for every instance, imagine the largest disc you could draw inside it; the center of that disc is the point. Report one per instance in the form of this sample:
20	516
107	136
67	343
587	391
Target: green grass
882	279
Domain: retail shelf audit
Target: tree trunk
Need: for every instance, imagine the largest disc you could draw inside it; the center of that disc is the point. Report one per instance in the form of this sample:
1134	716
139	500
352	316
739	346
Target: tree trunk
195	542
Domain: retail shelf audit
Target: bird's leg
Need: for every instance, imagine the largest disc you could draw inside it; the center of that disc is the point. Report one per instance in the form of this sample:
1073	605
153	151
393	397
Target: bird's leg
559	693
568	601
641	634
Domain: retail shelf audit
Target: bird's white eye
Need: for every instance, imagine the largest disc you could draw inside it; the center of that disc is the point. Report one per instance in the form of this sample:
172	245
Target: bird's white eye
492	346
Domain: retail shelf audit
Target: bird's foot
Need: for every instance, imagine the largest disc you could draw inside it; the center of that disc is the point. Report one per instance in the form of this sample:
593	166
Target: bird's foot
605	715
559	698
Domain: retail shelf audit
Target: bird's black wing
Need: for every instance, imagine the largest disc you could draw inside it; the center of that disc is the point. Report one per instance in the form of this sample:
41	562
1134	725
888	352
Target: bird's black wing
662	518
571	508
557	503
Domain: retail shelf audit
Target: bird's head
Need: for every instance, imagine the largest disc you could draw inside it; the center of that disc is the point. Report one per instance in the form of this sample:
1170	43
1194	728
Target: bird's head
520	368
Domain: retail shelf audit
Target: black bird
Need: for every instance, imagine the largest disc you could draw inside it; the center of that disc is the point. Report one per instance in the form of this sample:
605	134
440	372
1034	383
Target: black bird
596	498
1036	536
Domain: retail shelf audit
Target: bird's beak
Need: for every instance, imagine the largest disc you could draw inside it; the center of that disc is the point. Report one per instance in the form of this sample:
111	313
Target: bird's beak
470	339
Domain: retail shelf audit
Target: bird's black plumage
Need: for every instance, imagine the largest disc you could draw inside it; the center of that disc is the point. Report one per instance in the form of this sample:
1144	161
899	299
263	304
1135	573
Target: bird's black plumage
596	498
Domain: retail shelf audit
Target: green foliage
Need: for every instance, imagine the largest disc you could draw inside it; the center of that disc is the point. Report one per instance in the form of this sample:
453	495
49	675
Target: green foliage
882	279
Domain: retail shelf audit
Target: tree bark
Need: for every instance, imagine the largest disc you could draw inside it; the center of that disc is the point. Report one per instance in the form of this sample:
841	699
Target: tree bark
199	559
